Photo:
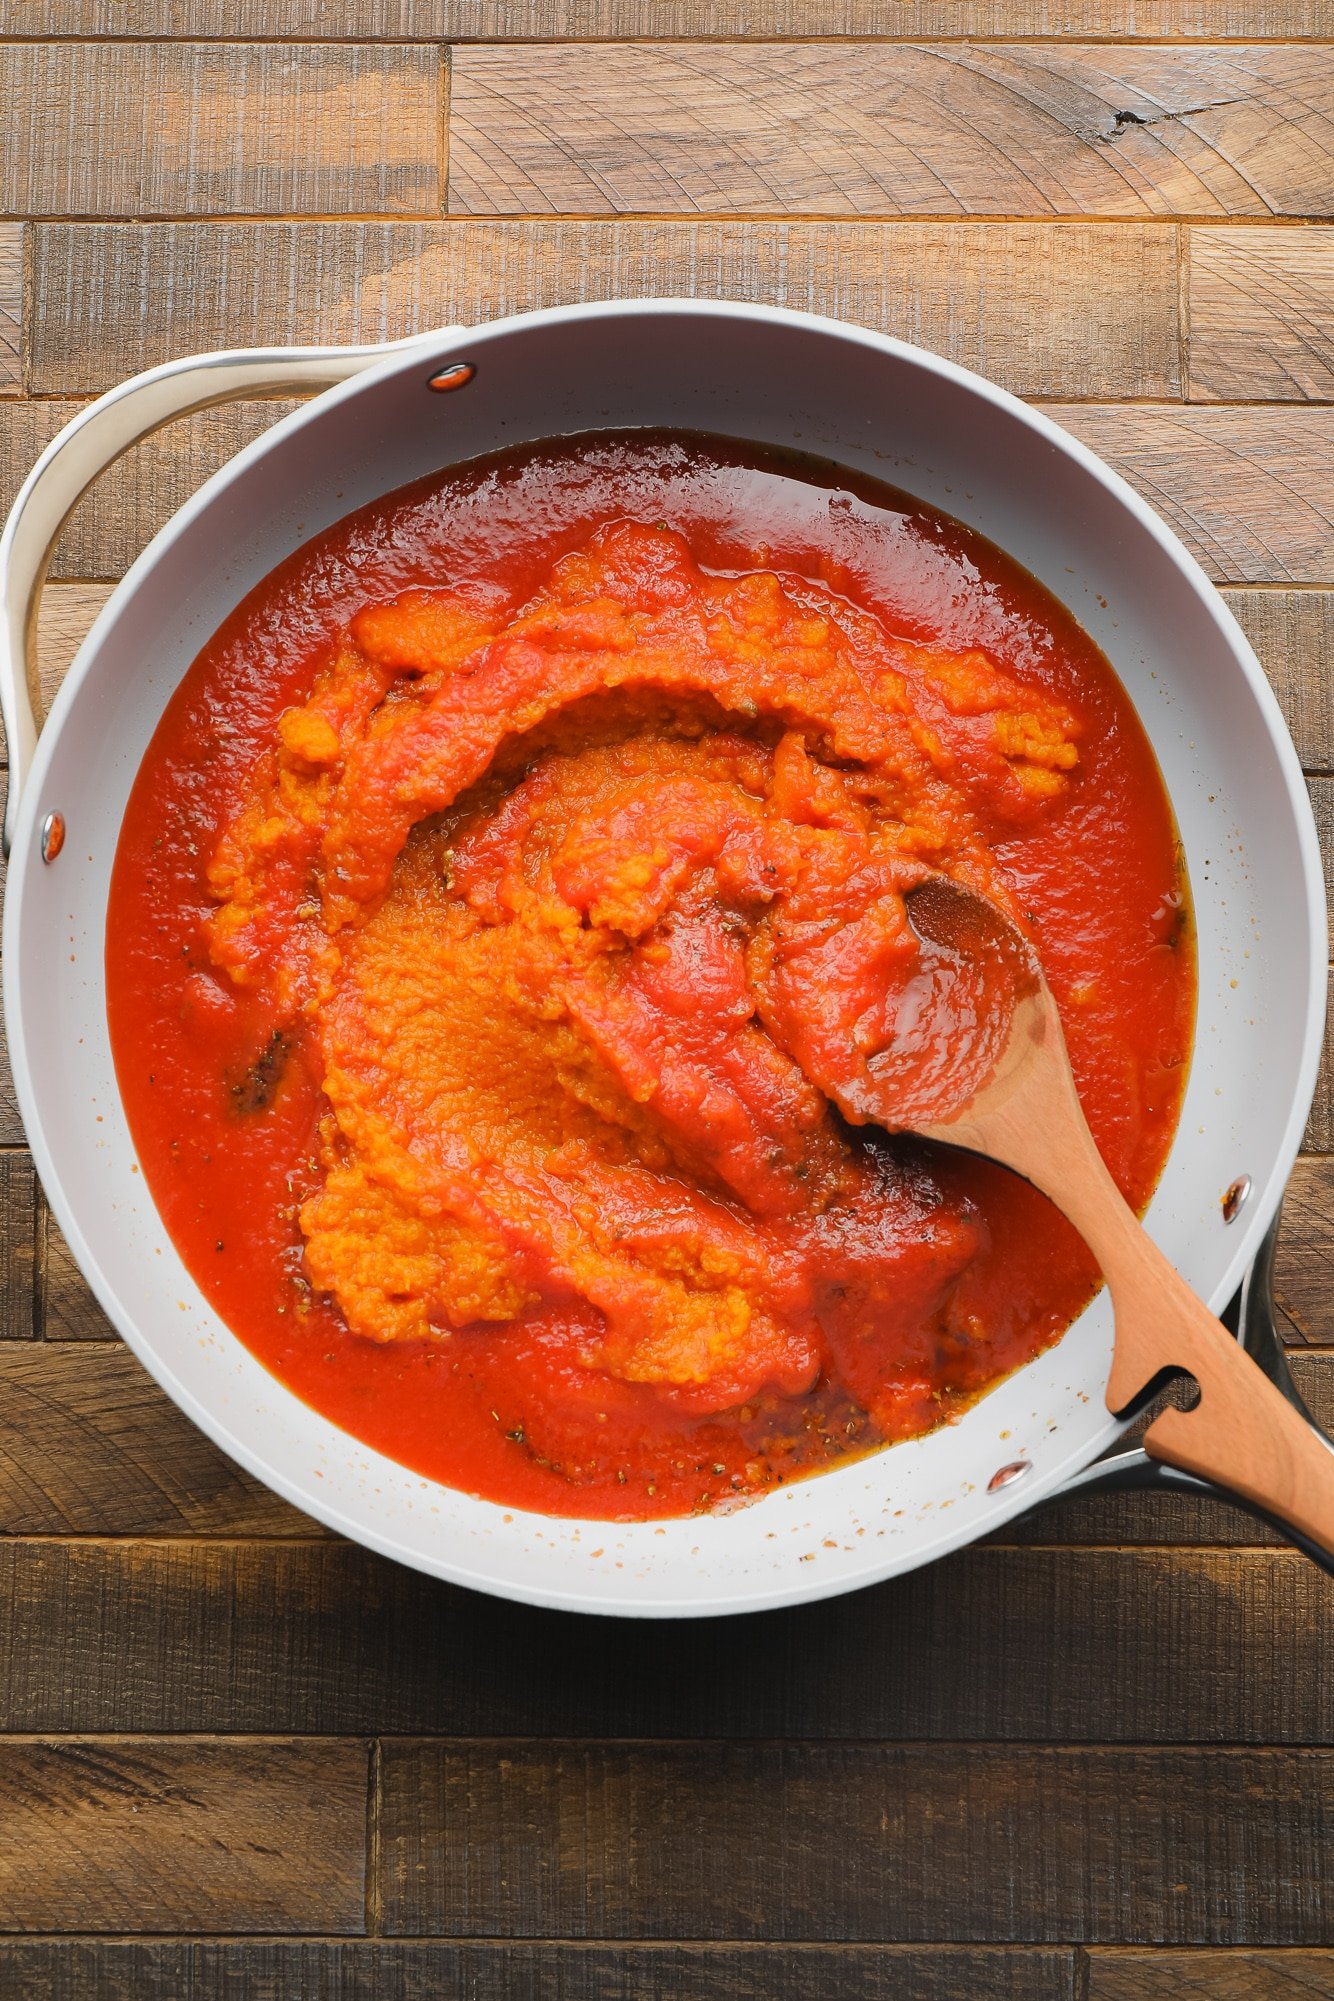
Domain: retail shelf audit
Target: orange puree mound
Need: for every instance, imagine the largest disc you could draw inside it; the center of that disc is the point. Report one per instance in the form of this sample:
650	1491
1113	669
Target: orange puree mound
586	906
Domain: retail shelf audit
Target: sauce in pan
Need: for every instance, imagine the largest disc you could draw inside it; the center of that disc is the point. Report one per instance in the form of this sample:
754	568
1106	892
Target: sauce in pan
508	888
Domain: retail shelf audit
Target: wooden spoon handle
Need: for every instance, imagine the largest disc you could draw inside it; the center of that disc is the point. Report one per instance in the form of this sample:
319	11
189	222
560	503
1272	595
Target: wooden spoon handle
1243	1433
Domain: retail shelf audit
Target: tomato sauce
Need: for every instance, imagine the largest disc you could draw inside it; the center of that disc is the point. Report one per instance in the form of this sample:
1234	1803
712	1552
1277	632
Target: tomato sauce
512	889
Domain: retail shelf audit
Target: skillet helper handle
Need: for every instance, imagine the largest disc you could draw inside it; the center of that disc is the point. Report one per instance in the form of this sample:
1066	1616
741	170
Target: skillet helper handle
1243	1433
87	446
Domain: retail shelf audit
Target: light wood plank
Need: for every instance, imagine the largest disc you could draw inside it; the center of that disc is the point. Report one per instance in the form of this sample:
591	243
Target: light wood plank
230	129
1293	634
142	490
11	308
1215	1847
1249	491
951	129
1210	1976
115	1835
1262	313
1057	309
410	1971
67	611
568	20
90	1444
323	1636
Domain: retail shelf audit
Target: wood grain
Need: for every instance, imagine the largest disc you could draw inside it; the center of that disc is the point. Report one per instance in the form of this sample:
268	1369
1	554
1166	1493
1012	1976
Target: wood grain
104	1970
122	1835
1293	634
142	490
1306	1254
1057	309
90	1444
1319	1134
1250	491
961	129
1210	1976
571	20
1078	1644
67	611
189	129
65	1307
18	1216
1186	1847
1261	313
11	308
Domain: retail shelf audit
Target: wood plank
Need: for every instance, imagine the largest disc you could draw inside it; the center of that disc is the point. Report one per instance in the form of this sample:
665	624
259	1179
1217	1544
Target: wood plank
116	1835
64	1305
1293	633
384	1970
142	490
1078	1644
67	611
233	129
1063	309
1249	491
18	1263
11	308
1319	1134
568	20
90	1444
1209	1976
1261	313
632	1841
1306	1254
952	129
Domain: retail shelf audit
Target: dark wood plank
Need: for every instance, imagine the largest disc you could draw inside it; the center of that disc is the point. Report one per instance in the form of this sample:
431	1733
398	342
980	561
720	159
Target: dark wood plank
1319	1135
410	1971
11	308
1293	633
857	1841
1078	1645
1250	491
65	1307
953	129
1210	1976
232	129
1262	312
18	1242
566	20
106	1834
1306	1254
1055	309
90	1445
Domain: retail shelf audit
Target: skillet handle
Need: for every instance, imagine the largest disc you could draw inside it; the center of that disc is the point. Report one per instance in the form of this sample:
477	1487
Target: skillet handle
86	447
1133	1471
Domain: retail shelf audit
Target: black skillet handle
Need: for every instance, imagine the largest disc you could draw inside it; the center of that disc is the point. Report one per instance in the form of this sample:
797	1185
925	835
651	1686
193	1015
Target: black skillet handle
1251	1316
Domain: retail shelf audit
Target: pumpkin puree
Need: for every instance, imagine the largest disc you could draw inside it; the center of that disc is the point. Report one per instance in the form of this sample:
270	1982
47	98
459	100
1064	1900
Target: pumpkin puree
558	911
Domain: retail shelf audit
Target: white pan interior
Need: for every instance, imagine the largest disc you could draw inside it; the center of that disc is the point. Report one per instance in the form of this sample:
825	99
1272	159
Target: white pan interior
906	418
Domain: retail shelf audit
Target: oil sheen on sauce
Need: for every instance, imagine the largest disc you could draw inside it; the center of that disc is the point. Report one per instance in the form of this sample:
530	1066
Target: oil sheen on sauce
509	888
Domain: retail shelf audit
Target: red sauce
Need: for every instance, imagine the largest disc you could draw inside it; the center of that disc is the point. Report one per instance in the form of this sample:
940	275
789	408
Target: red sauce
511	887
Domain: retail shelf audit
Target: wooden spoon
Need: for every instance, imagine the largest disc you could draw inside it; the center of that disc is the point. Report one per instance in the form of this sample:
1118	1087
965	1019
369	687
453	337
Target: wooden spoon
1005	1089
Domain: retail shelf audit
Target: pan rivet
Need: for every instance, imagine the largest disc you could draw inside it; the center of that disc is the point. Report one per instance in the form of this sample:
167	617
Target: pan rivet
53	836
1007	1475
1234	1200
452	377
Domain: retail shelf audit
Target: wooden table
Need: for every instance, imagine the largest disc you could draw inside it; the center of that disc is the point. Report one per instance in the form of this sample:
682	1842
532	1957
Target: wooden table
243	1758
